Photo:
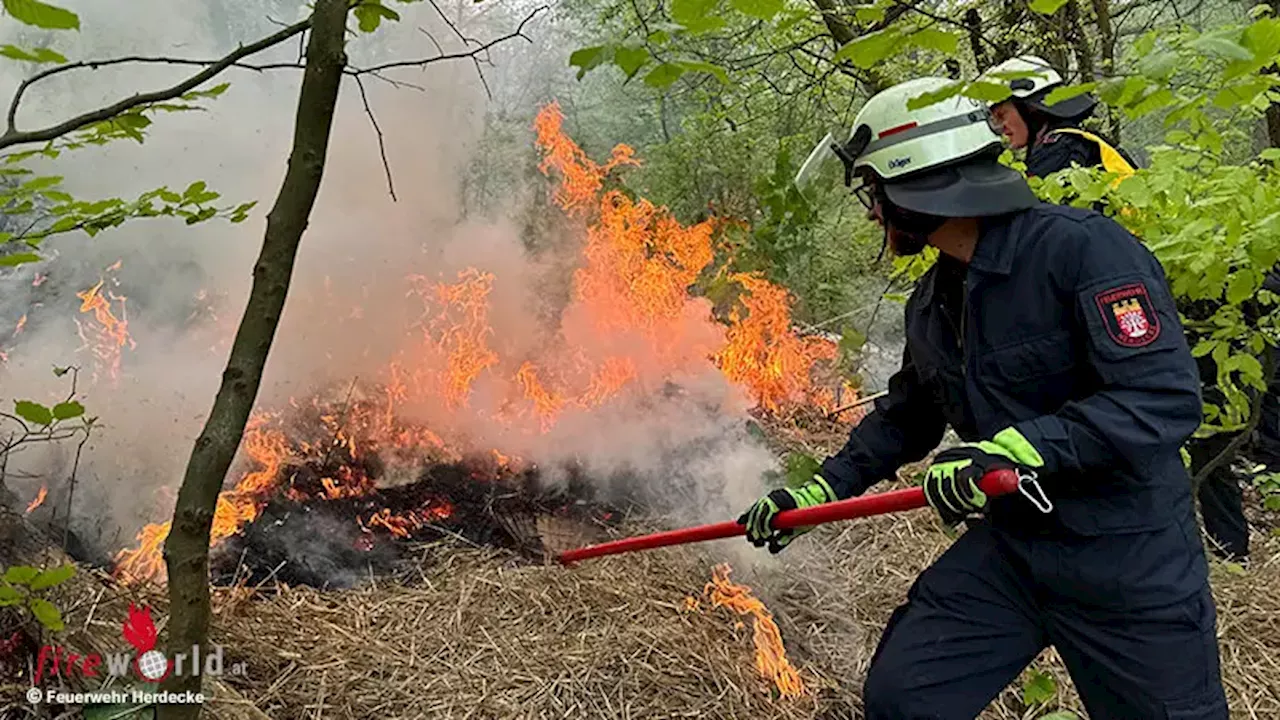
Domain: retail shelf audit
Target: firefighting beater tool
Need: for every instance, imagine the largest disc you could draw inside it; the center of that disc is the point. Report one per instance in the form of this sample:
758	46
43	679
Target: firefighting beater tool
994	483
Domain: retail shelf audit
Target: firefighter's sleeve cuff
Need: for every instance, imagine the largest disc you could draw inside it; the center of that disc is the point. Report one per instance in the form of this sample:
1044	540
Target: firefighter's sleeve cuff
1050	438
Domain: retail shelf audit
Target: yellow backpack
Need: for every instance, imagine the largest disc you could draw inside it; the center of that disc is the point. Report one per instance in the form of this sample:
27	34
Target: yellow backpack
1112	160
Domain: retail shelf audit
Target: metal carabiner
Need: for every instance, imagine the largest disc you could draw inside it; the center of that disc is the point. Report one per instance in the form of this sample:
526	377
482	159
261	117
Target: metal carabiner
1031	490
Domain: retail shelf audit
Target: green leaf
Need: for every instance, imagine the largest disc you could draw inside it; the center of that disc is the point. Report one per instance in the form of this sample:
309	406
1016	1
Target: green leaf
1066	92
67	410
41	183
698	66
1155	101
589	58
1221	47
47	614
801	467
53	576
1039	688
1159	66
1272	502
987	92
1250	368
20	574
1046	7
630	60
371	14
697	16
1234	96
1204	347
39	55
10	595
18	259
664	75
869	14
33	12
935	39
762	9
33	412
1240	287
934	96
869	49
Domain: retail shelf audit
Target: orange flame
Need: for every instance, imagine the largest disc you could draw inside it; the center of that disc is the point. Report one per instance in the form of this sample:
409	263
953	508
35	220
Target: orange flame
107	336
771	655
39	498
632	325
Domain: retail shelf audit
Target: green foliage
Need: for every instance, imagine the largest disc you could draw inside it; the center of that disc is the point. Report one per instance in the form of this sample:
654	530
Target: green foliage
1046	7
33	412
800	468
1209	212
21	586
1268	485
48	210
41	15
1038	689
873	48
38	55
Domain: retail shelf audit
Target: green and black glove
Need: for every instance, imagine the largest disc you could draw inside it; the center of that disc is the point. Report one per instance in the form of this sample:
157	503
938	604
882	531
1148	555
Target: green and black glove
951	482
759	517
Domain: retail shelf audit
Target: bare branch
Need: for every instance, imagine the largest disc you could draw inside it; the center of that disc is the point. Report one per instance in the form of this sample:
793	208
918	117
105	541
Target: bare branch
465	40
518	33
382	147
12	136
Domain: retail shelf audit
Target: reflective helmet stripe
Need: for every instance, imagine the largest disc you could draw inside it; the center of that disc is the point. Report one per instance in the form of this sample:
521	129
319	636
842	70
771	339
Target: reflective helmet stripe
919	131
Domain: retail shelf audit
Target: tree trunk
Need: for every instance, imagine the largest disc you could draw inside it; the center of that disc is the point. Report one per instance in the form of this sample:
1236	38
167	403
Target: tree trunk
1107	50
973	24
186	550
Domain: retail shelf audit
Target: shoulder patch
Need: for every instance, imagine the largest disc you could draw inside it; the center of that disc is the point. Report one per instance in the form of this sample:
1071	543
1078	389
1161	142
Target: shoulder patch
1128	315
1050	138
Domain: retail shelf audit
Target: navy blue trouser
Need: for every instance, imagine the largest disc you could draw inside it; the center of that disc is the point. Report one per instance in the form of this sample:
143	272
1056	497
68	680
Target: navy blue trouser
981	613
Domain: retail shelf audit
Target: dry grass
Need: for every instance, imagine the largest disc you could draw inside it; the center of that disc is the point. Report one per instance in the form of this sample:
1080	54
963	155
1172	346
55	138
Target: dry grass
479	636
472	633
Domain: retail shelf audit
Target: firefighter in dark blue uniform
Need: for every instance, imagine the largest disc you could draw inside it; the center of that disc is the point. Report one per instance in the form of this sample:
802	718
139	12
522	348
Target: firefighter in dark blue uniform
1047	338
1051	133
1054	141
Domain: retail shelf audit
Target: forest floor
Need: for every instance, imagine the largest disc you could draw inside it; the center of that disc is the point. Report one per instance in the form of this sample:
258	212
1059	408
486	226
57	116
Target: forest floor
469	632
461	631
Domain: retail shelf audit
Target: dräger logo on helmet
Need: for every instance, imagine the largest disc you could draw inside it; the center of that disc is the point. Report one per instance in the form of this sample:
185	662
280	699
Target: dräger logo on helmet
898	162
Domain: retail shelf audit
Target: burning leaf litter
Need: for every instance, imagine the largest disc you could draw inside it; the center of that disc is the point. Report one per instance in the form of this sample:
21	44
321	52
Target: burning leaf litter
771	655
631	330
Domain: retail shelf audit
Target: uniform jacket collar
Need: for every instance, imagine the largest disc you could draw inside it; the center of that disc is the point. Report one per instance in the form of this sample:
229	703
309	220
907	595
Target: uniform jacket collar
993	254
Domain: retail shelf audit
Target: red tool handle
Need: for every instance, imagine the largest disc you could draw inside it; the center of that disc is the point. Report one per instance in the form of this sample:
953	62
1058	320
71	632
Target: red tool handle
994	483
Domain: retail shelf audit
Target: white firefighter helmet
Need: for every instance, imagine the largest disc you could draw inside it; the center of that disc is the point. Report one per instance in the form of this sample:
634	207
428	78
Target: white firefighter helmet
941	159
1033	79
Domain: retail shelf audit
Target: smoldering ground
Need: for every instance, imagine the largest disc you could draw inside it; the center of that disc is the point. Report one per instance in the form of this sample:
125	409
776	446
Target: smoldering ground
349	312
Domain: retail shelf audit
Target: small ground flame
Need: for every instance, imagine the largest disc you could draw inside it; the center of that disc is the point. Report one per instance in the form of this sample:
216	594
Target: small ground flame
771	655
39	498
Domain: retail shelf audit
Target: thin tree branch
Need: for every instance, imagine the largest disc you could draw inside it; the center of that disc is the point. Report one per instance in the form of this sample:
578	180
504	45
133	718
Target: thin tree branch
382	147
12	136
517	33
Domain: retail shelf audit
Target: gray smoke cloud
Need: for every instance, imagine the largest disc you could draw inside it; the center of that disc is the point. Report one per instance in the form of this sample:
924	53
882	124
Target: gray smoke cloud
350	311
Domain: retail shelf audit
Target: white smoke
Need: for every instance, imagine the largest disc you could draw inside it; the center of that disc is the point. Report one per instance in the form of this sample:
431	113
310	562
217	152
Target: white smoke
347	314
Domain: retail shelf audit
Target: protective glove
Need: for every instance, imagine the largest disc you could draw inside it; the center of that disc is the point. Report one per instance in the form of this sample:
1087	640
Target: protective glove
759	517
951	482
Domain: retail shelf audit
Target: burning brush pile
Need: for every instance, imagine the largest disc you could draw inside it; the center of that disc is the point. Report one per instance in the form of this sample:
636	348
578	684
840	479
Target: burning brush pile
451	438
